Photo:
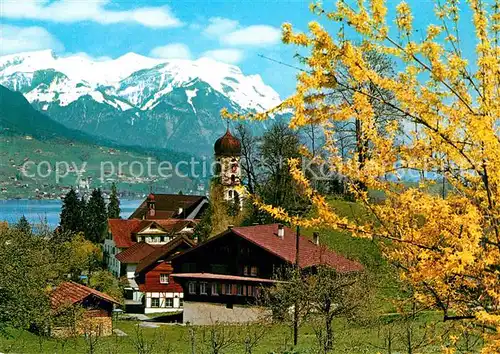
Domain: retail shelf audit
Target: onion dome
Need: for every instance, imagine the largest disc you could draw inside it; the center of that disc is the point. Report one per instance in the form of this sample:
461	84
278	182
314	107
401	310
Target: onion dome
227	145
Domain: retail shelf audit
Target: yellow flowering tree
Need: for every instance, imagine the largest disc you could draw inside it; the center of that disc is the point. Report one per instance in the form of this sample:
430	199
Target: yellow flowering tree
446	247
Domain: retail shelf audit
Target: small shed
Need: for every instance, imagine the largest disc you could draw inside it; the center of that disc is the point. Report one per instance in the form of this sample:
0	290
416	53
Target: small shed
81	310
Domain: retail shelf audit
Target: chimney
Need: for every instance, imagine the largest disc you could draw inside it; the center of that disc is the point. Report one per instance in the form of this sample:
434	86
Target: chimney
316	238
281	231
229	227
151	205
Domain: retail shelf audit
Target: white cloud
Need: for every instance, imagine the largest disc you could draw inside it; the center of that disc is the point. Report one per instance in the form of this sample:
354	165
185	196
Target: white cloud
219	26
93	10
230	56
15	39
257	35
230	32
172	51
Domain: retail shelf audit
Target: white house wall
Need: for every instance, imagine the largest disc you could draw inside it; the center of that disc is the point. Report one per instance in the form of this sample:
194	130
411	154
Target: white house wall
162	296
113	264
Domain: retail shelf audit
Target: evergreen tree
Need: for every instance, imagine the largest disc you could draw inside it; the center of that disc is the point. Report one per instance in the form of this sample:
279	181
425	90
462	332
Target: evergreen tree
23	225
84	215
203	229
72	212
95	217
114	204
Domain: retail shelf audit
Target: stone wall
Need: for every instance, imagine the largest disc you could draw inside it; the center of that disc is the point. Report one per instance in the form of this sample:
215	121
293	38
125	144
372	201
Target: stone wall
203	313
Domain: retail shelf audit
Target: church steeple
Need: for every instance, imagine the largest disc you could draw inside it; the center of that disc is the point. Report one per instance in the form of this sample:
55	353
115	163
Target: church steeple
227	145
227	154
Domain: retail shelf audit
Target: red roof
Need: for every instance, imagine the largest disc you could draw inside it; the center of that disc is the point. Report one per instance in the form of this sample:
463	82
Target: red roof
123	230
310	254
162	252
135	253
266	236
69	293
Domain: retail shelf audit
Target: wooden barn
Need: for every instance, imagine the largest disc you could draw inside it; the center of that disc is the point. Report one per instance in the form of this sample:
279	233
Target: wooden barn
79	310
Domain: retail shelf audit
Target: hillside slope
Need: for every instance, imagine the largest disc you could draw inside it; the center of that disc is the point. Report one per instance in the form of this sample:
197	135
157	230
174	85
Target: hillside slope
28	136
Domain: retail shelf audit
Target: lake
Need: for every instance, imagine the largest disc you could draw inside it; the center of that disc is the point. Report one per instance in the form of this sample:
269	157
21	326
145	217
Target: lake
38	210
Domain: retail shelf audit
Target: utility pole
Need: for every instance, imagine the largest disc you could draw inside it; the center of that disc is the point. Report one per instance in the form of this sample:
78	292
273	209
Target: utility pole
296	307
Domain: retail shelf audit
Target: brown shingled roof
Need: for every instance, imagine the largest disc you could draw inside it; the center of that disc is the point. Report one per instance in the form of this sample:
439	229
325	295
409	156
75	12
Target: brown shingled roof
69	293
167	206
163	251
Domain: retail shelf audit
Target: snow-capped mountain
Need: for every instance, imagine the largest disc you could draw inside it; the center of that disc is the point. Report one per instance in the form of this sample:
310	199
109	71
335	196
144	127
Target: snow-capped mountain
135	99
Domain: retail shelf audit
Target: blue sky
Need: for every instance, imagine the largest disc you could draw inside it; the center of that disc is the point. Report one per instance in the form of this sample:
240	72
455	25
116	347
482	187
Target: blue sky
228	30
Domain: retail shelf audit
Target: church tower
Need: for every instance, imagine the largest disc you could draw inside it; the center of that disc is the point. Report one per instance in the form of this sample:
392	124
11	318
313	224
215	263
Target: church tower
227	155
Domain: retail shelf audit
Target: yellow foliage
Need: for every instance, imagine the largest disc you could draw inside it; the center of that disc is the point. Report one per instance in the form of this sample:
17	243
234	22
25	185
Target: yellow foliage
448	249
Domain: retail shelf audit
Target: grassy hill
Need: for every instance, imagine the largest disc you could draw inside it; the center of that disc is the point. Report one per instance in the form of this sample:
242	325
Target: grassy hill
366	251
27	135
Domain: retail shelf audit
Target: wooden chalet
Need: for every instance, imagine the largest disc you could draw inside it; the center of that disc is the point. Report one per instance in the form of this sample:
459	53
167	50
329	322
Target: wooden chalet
97	309
228	270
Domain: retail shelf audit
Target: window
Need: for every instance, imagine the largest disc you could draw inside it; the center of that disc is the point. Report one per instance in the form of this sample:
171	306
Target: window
245	270
162	239
230	194
250	290
169	302
215	291
164	278
203	288
181	302
239	290
155	302
192	288
226	289
253	271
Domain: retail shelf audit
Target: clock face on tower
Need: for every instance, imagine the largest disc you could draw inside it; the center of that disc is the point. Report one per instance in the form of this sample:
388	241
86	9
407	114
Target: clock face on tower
234	167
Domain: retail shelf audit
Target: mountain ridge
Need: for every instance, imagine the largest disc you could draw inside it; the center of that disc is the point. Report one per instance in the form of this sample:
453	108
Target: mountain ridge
138	100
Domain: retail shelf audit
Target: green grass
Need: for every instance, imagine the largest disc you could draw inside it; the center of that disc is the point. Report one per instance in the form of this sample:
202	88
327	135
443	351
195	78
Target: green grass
365	337
364	250
349	338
